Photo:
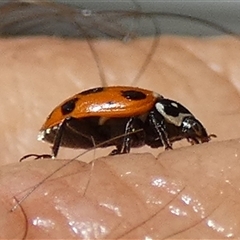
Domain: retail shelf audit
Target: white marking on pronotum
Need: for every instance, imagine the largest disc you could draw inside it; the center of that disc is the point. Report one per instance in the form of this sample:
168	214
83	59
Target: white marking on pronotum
177	121
174	104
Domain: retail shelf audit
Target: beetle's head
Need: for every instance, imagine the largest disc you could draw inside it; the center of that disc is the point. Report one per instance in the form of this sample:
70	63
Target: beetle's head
195	131
183	120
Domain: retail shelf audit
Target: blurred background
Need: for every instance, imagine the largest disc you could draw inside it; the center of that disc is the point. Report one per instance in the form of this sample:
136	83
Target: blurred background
112	18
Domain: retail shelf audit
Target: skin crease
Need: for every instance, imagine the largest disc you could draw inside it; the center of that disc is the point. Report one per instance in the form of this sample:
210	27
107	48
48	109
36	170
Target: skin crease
189	192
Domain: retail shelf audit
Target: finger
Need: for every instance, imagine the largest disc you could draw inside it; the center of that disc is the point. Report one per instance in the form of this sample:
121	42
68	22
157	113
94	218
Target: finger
187	192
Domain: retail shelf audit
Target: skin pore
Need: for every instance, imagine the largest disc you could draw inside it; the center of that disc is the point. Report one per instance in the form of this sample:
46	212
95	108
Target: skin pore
189	192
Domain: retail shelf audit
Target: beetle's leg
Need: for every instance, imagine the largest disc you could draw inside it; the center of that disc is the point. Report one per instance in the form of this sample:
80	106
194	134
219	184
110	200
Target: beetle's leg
160	129
115	151
58	137
126	146
36	156
126	143
55	147
193	141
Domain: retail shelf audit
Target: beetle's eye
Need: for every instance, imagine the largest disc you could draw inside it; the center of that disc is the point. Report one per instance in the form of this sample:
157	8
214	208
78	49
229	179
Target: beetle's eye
193	127
69	106
197	128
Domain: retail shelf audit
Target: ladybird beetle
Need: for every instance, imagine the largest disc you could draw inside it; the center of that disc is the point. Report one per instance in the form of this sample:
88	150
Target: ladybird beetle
96	117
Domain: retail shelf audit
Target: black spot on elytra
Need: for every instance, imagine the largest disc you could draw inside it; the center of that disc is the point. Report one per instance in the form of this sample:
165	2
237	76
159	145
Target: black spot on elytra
133	95
92	90
69	106
171	109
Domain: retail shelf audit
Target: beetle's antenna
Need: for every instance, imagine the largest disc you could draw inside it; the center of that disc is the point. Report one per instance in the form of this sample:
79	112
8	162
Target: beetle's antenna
58	137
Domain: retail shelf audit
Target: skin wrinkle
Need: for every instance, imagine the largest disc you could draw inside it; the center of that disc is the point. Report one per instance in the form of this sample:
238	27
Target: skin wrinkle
200	61
131	189
222	75
116	176
205	64
183	74
153	215
33	188
209	214
171	67
113	172
193	225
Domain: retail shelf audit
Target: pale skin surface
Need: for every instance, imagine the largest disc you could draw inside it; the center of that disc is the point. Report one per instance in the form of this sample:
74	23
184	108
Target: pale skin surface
189	192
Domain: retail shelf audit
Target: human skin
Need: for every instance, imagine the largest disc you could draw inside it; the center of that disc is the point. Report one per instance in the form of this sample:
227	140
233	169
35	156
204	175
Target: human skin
187	192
